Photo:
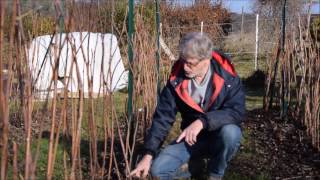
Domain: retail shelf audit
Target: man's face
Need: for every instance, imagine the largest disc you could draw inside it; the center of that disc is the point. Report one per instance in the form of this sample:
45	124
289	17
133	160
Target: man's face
194	67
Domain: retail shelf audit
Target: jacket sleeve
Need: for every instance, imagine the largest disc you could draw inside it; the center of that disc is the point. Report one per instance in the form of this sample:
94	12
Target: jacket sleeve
163	119
232	110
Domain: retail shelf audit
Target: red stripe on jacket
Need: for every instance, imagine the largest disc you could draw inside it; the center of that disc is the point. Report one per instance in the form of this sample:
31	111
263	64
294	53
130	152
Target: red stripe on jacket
218	82
225	63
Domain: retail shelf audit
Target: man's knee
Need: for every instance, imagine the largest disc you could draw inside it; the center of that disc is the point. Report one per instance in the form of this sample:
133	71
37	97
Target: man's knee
161	166
156	169
155	173
169	160
230	135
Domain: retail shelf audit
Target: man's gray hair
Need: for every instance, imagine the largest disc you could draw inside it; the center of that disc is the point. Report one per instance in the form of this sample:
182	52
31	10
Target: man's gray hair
195	45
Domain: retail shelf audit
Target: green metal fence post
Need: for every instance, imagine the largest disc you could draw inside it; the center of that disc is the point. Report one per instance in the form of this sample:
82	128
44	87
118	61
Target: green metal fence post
130	57
284	104
158	47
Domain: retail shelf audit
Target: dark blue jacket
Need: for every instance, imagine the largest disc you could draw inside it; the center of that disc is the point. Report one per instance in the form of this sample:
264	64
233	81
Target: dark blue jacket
225	102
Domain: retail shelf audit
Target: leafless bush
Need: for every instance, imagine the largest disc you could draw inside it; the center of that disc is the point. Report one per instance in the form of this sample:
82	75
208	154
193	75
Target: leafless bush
299	81
74	123
178	20
145	73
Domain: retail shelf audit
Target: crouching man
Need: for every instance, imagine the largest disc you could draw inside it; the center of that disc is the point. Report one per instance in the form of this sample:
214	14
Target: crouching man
206	90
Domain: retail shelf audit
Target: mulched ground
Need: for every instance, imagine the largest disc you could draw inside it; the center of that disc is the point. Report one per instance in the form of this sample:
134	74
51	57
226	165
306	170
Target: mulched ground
272	149
276	148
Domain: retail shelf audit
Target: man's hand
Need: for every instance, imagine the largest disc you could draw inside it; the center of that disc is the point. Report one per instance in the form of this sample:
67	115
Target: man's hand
142	167
191	132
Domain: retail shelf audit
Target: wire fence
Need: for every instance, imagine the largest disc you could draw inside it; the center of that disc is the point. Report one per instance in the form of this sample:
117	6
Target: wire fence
241	40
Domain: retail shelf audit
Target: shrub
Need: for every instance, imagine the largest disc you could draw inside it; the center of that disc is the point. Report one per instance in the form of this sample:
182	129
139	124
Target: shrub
315	28
177	21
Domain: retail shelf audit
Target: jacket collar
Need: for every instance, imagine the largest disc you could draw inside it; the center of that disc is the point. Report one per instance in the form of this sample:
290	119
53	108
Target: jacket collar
180	82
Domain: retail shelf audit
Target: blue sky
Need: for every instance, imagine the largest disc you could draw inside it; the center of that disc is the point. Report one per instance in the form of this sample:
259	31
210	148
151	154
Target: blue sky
236	6
315	9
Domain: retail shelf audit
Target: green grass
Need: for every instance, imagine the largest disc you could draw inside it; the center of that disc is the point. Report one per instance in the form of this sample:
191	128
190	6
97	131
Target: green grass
119	99
246	153
245	66
119	103
43	157
41	168
254	98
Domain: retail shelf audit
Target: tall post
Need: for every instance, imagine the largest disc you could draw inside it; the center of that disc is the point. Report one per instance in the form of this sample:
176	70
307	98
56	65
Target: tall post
201	29
242	19
283	26
158	47
130	57
283	90
2	14
257	43
279	53
4	150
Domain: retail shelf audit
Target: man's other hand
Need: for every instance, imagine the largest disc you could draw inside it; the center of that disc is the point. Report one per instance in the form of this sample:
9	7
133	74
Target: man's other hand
143	167
191	132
